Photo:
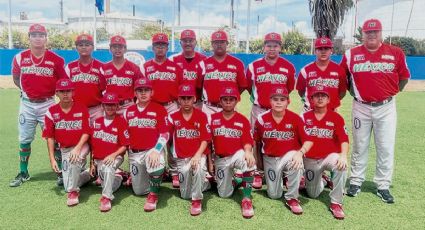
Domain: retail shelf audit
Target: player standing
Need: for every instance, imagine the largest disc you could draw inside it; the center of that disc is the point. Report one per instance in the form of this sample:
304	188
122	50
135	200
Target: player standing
376	73
329	152
35	72
148	131
67	123
281	134
87	77
189	60
109	141
191	134
232	143
322	72
120	74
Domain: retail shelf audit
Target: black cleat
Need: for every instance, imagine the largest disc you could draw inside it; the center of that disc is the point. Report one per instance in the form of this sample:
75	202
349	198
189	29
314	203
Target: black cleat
353	190
385	196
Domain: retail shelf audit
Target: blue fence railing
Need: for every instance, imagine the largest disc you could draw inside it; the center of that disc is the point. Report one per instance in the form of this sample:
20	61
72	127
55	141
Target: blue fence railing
416	64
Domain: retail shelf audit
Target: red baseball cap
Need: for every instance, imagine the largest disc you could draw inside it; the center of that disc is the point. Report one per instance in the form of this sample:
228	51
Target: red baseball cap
187	90
37	28
318	89
219	35
187	34
118	40
159	38
230	91
372	25
142	83
323	42
110	98
64	84
273	37
84	38
279	91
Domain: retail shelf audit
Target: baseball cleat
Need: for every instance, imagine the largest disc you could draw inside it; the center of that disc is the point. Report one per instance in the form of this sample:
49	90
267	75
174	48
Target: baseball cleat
294	206
247	209
328	182
353	190
176	182
19	179
59	180
73	198
196	207
151	202
105	204
385	196
258	181
337	211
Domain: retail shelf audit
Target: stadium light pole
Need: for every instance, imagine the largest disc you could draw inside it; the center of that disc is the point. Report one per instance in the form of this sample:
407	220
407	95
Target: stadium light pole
10	25
247	27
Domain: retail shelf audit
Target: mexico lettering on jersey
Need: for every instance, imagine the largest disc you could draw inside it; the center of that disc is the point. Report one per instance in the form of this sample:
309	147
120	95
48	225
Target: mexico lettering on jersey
216	75
188	134
89	82
165	78
145	126
66	128
38	76
327	134
375	76
105	140
121	81
262	77
333	80
231	135
279	138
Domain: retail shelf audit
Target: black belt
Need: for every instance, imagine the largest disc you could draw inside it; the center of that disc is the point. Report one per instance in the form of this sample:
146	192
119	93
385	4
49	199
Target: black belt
375	103
138	150
212	104
123	102
37	100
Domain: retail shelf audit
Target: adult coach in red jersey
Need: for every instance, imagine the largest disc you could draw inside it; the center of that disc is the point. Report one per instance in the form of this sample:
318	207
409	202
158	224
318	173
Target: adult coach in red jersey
323	72
189	60
263	74
120	74
165	75
329	152
376	73
219	71
35	72
88	80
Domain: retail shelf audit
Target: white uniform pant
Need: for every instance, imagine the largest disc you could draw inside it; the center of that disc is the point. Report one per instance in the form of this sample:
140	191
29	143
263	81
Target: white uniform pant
95	112
74	174
275	168
210	110
192	183
110	181
140	171
382	120
30	114
255	112
124	107
313	174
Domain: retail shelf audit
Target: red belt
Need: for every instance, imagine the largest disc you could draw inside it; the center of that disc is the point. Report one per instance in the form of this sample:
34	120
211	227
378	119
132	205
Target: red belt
37	100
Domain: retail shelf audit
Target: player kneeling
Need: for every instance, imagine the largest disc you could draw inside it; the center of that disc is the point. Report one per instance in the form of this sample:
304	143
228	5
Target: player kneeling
148	135
109	142
67	123
281	134
329	152
232	143
191	134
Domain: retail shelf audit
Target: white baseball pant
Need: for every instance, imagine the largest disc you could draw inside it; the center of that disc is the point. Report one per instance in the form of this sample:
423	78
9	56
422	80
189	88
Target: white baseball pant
110	181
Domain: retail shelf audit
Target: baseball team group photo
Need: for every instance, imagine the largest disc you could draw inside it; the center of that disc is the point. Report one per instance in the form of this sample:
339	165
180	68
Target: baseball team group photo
205	136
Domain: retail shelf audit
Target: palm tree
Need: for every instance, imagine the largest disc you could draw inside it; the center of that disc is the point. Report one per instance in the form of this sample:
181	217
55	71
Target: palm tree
328	15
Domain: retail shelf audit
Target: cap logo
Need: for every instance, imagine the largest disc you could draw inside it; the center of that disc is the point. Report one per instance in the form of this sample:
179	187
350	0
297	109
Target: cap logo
187	33
186	88
117	39
84	37
229	90
323	41
279	91
273	36
64	83
160	37
319	87
142	81
110	97
218	35
372	24
37	27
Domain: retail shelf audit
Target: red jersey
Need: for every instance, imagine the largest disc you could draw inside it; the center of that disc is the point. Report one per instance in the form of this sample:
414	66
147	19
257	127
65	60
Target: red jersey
375	76
262	77
107	139
66	128
89	82
38	76
190	67
165	78
327	134
278	139
188	135
121	81
216	75
145	126
232	135
333	80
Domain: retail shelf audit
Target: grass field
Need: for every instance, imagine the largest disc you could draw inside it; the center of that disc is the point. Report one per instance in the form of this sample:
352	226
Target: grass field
40	204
